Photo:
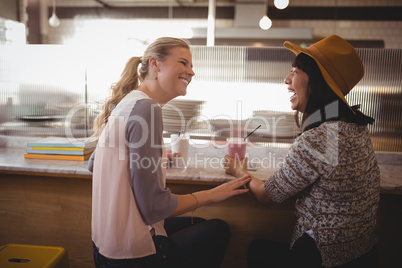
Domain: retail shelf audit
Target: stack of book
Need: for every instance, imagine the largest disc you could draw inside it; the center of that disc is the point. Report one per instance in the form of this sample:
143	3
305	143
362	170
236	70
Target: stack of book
61	148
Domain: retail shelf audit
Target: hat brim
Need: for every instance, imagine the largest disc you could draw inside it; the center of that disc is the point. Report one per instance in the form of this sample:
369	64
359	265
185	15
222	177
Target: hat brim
332	84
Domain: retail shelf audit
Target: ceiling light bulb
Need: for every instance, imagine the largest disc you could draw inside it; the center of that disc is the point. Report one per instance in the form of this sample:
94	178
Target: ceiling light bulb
54	20
265	23
281	4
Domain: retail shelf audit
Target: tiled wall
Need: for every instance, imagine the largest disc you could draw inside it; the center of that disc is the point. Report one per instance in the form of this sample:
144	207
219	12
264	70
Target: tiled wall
343	3
388	31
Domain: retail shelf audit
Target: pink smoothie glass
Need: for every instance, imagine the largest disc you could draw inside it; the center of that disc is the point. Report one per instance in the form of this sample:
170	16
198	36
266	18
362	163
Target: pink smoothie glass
237	148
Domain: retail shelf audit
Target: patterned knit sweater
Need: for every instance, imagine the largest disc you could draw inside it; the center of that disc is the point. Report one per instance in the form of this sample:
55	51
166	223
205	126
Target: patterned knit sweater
333	172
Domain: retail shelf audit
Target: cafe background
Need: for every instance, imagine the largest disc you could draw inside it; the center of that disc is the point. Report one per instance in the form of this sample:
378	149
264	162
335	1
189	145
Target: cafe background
54	79
56	84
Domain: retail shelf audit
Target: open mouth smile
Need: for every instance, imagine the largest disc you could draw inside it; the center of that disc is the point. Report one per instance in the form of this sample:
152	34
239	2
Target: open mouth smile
292	92
184	80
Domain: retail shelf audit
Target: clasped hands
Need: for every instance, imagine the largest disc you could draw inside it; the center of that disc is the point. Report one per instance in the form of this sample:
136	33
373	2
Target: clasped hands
235	167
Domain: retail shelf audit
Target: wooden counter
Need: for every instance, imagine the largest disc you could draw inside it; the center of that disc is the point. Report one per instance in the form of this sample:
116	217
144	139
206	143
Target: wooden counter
12	161
46	202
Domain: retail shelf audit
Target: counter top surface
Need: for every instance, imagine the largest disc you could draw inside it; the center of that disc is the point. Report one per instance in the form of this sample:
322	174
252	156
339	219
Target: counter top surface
12	161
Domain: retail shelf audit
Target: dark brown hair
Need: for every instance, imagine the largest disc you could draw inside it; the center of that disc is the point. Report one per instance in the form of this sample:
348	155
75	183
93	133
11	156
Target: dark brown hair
323	104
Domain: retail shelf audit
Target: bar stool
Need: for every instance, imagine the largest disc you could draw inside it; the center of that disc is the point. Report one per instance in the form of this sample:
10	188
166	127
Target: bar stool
32	256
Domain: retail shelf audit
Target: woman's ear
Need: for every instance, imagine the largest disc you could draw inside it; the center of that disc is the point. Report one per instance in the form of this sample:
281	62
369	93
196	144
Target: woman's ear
153	63
309	89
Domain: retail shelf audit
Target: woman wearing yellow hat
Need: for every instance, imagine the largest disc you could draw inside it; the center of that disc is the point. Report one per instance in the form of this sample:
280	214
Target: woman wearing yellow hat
330	168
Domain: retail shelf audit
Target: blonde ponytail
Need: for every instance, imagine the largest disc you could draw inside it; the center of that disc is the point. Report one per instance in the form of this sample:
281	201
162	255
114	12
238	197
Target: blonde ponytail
130	80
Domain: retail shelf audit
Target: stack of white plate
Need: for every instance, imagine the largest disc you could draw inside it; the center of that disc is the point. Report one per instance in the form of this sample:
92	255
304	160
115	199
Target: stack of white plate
228	127
273	124
181	115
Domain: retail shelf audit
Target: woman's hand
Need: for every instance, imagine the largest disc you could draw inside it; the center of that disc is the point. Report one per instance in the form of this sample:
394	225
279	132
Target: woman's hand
222	192
235	167
170	157
239	169
229	189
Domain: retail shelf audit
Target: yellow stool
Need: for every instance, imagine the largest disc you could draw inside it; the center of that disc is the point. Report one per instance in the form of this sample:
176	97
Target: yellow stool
30	256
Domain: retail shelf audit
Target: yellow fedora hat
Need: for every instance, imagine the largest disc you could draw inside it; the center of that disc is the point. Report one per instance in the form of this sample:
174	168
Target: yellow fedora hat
338	61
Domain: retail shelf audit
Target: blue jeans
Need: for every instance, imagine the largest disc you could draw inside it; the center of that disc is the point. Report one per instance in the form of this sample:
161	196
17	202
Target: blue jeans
201	244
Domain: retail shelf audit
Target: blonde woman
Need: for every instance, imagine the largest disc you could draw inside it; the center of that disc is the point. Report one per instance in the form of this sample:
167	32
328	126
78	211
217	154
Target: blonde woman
131	206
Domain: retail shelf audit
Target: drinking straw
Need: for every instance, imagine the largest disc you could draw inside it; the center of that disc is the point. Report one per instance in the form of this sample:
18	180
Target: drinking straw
251	132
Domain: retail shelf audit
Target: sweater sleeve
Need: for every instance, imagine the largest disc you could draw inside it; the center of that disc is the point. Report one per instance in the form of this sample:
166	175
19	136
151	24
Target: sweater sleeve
144	136
313	155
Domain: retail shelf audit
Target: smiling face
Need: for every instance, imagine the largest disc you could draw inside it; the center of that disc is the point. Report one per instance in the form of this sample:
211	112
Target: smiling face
298	84
176	72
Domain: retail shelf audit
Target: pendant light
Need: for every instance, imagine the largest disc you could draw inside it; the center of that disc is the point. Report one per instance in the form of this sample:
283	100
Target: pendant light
265	22
54	20
281	4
